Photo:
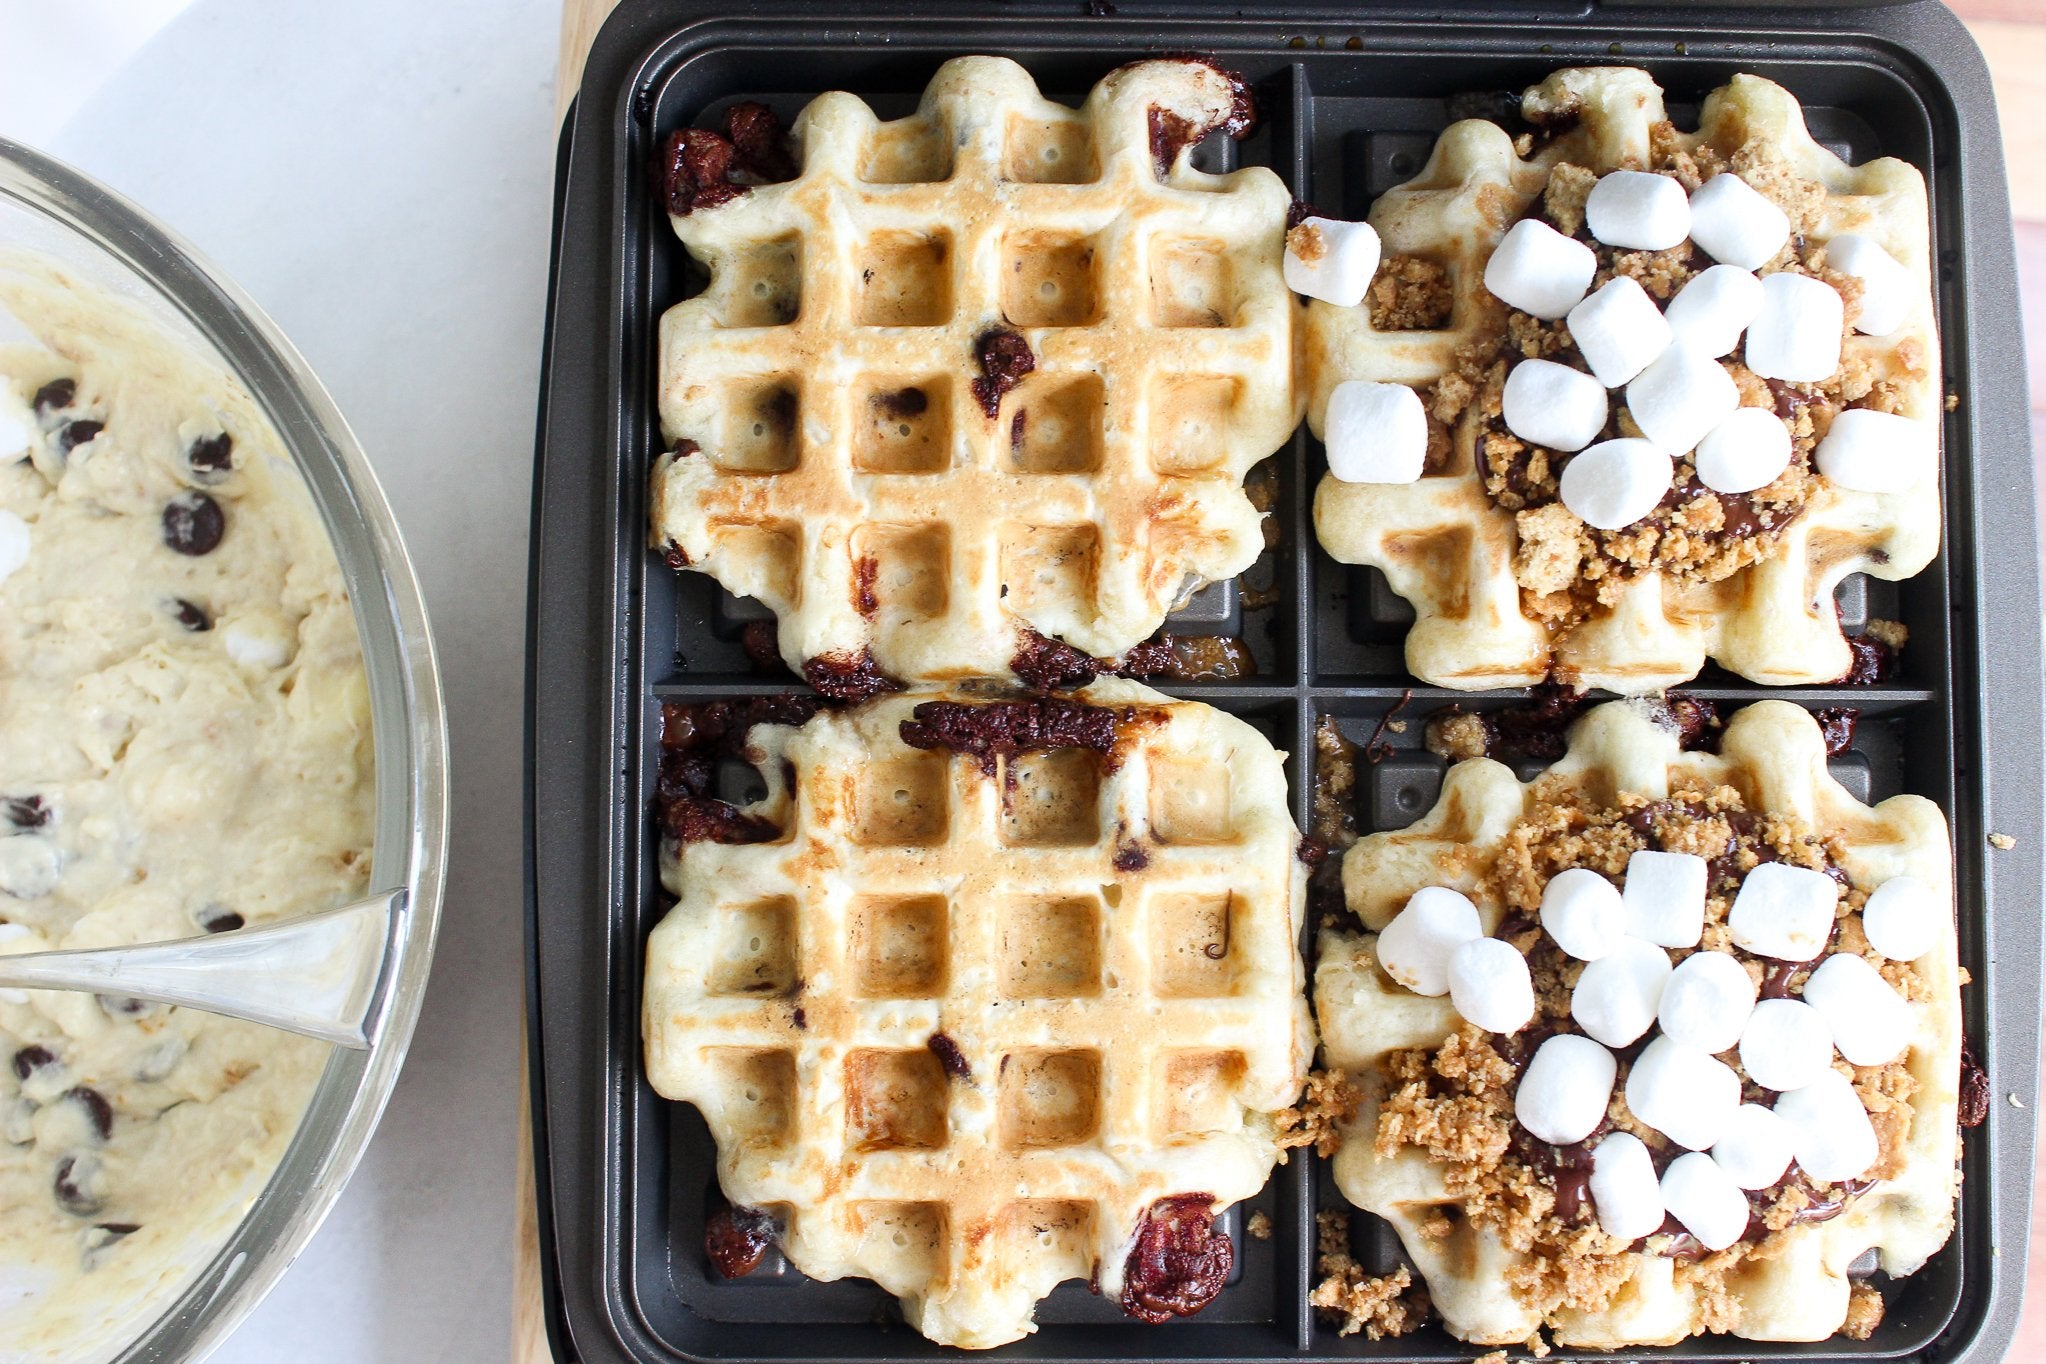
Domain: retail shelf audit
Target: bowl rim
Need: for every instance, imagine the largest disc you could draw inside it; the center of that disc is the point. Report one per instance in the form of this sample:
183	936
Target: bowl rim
407	714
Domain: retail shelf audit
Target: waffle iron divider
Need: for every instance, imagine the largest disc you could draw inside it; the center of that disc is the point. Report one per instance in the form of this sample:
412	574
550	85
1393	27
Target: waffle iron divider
626	1178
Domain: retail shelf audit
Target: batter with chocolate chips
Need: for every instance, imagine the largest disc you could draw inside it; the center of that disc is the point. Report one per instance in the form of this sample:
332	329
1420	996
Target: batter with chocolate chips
184	748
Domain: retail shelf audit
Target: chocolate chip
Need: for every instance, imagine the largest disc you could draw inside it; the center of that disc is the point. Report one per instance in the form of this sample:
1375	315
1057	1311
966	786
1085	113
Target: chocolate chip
76	434
56	394
211	457
96	1107
216	919
949	1056
193	524
121	1006
25	812
74	1185
192	616
31	1059
736	1239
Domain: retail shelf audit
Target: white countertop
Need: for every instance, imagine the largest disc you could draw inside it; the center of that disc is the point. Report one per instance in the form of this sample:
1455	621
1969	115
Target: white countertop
379	176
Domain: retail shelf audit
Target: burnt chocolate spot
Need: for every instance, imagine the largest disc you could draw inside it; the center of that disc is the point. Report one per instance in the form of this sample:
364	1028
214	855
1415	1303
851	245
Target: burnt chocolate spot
1130	857
55	396
736	1239
70	1186
1837	723
193	524
76	434
1974	1103
31	1059
799	1018
1019	426
694	739
903	402
949	1056
1179	1261
96	1108
211	457
1007	728
1044	664
848	677
1004	358
191	615
25	812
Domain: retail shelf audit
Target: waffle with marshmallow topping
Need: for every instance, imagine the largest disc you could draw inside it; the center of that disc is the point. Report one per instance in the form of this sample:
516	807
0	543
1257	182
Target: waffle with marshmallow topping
1451	549
1774	755
844	455
966	1020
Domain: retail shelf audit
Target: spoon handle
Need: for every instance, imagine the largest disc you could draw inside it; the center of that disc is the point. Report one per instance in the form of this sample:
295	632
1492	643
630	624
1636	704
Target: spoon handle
315	975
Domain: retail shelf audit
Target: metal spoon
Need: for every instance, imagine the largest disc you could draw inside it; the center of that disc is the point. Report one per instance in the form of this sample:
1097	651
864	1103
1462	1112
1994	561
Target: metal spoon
315	975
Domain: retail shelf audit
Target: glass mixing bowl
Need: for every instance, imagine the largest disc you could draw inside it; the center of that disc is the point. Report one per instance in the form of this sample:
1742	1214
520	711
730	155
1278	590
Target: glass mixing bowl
51	210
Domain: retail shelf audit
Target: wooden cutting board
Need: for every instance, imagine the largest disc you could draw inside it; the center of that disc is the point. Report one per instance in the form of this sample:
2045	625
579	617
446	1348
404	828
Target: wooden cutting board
2012	34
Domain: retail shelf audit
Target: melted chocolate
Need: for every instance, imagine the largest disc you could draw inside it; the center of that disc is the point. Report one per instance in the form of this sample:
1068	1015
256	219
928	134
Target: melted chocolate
761	643
736	1240
848	677
25	812
1974	1105
949	1056
698	168
1131	857
1178	1263
1311	852
903	402
1006	728
865	570
55	396
1044	664
1837	723
1004	358
1873	662
1172	134
694	738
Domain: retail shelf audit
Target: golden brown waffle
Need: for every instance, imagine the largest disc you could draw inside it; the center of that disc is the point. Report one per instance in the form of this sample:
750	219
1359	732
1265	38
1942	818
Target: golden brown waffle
1446	547
962	1022
843	468
1774	754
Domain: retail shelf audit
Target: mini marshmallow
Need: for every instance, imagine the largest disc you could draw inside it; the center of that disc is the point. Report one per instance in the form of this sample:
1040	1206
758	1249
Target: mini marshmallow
29	866
1707	1002
1338	263
1616	482
1565	1088
1734	223
1682	1093
15	428
1554	405
260	640
1903	918
1681	396
1616	997
1784	912
1665	898
1787	1044
1624	1188
1877	452
1619	330
1705	1200
1829	1129
1375	433
1871	1023
1796	332
14	541
1886	286
1755	1148
1416	946
1582	911
1490	986
1540	271
1710	313
1750	449
1638	211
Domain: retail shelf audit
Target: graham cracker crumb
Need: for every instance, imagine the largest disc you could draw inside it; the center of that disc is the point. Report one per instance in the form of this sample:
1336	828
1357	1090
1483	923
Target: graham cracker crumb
1259	1227
1494	1357
1306	242
1891	634
1864	1311
1457	735
1380	1306
1328	1101
1410	293
2002	842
